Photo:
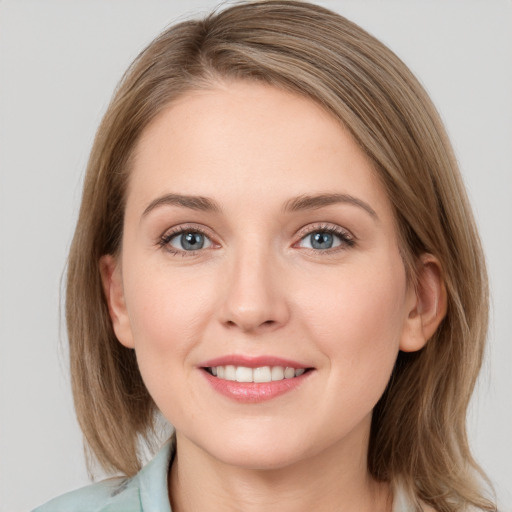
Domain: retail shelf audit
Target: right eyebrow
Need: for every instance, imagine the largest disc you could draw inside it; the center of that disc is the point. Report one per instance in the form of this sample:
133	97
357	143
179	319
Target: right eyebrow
200	203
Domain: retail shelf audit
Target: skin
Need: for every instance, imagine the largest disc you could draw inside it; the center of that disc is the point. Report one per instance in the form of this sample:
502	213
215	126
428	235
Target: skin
259	288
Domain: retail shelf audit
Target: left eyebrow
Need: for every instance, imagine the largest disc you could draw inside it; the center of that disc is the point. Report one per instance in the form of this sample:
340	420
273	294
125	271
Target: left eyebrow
306	202
200	203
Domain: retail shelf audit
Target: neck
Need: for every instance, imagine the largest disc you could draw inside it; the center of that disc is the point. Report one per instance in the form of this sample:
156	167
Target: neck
334	480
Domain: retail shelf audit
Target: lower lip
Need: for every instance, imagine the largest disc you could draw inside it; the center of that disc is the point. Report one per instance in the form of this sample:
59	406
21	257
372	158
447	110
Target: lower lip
254	392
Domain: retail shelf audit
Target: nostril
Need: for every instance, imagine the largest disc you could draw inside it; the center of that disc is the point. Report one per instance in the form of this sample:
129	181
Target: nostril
250	326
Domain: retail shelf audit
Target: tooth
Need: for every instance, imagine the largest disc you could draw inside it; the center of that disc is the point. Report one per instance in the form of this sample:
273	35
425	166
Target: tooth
262	374
289	372
243	374
230	372
277	373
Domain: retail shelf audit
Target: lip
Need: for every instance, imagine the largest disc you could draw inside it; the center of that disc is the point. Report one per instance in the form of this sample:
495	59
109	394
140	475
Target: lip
253	392
252	362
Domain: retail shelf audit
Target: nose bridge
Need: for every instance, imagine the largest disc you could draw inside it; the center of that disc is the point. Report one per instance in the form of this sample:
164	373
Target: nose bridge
255	298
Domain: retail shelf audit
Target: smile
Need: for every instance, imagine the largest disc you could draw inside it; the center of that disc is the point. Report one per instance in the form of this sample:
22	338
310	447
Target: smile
259	375
249	379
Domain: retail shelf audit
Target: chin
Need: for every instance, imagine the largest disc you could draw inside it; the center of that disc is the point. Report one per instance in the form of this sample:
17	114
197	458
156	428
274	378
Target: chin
260	458
258	451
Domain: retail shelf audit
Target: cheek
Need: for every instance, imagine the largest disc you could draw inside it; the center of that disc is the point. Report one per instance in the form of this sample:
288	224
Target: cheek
358	322
166	309
168	313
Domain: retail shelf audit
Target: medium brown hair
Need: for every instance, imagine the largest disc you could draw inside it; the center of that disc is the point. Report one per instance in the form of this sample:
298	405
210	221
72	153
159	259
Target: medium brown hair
418	433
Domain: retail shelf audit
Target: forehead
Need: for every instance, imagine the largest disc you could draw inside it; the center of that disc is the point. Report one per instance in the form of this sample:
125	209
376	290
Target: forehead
249	139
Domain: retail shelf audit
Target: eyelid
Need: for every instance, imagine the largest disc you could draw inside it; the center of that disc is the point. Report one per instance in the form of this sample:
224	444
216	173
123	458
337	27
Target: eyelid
346	236
324	226
170	233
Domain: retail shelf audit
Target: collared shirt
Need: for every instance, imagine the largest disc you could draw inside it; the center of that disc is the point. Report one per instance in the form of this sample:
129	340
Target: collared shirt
147	491
144	492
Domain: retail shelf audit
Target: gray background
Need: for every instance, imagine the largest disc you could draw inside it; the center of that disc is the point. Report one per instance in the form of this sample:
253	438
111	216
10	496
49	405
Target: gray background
59	63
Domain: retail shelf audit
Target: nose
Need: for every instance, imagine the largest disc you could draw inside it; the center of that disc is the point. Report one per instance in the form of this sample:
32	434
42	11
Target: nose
255	297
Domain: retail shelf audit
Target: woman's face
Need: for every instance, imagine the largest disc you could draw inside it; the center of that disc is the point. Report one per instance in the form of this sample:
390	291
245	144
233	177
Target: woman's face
256	235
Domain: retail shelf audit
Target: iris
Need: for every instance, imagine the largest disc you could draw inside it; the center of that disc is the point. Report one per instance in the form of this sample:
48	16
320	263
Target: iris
321	240
192	241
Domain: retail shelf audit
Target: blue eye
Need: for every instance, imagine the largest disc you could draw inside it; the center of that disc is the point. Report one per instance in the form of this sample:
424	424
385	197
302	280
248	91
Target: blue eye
321	240
187	241
325	239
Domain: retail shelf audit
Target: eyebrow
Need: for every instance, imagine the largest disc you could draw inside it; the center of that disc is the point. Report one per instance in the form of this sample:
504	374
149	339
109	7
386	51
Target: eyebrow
306	202
200	203
303	202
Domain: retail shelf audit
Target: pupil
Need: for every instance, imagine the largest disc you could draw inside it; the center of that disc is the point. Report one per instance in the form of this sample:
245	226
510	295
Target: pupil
321	240
192	241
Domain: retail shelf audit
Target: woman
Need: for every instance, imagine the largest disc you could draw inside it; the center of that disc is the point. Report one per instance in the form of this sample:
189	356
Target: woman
275	251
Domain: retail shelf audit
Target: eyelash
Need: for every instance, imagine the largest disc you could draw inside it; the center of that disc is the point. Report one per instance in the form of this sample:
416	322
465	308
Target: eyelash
166	238
346	238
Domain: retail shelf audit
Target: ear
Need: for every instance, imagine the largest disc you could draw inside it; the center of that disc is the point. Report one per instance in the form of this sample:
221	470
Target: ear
112	279
427	305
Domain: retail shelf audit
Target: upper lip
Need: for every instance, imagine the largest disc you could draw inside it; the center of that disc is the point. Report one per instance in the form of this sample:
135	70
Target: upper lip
251	362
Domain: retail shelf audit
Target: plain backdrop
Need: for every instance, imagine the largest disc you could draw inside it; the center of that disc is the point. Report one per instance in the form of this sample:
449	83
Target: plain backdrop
59	63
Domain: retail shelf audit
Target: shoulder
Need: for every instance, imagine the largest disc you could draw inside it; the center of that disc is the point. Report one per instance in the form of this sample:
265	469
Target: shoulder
102	496
403	503
115	493
145	492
